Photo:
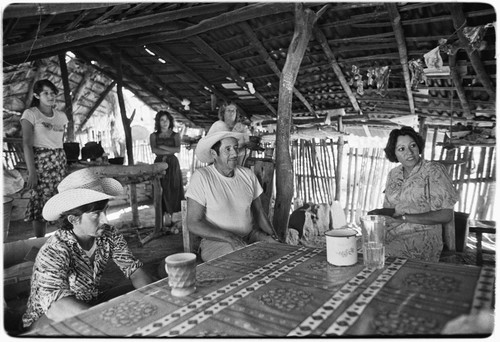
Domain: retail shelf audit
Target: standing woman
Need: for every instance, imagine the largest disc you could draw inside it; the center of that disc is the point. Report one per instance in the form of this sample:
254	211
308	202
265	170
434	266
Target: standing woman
228	113
165	143
43	128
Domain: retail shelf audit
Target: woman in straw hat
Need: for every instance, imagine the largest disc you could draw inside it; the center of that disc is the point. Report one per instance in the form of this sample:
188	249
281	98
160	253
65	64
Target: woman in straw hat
224	206
69	266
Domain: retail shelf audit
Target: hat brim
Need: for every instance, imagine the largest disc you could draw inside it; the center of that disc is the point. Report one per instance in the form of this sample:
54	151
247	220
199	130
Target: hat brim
71	199
205	144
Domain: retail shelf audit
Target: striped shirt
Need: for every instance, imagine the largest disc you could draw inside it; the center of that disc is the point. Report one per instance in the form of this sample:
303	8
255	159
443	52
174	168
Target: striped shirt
63	269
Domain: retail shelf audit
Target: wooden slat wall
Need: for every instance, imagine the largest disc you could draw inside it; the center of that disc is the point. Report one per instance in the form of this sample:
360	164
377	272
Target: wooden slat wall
364	173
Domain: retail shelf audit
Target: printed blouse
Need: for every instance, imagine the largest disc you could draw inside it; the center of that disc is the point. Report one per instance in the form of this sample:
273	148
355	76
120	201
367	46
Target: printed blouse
63	269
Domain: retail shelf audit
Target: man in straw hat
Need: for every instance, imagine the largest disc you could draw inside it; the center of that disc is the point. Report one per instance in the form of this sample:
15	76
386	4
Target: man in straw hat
69	266
224	206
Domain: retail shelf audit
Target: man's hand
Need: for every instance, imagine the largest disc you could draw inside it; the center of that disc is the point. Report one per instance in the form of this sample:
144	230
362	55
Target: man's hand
235	241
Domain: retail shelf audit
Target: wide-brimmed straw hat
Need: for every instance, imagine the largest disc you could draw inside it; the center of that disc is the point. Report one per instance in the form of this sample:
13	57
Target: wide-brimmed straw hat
217	132
79	188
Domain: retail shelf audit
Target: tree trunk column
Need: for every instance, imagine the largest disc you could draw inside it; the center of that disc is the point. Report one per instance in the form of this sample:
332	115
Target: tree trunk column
304	21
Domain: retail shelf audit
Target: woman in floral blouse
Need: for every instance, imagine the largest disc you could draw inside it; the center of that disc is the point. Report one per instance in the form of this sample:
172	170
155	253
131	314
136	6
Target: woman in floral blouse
69	266
422	197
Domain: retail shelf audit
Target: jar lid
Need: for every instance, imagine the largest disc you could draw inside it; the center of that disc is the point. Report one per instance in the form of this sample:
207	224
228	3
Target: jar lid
342	232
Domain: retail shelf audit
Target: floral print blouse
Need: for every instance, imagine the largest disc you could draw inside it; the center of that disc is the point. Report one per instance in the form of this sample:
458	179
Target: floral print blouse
63	269
427	188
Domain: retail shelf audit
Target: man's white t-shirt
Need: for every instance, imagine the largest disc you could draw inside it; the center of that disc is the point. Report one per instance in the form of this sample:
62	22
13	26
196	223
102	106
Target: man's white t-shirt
227	200
48	132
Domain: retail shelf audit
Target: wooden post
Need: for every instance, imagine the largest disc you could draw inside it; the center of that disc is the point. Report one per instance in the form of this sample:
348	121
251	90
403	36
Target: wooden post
459	22
304	21
457	82
392	9
68	109
128	135
338	173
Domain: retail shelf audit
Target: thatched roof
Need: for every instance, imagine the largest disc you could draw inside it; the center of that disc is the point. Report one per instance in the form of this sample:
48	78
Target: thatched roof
208	52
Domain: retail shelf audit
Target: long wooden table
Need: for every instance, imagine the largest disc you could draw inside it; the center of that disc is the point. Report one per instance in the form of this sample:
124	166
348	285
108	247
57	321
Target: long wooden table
281	290
135	174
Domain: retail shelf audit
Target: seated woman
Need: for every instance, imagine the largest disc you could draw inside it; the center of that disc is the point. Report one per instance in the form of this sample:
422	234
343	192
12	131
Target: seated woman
419	198
69	266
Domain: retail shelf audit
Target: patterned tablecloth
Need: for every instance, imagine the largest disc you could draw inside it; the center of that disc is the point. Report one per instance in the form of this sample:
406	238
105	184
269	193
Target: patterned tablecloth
281	290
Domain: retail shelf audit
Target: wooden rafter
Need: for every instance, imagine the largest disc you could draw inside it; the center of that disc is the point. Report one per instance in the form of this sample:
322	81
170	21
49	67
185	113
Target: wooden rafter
320	37
457	81
257	45
68	110
99	32
459	21
392	9
38	31
112	11
81	86
77	21
168	56
139	83
228	18
96	105
207	49
21	10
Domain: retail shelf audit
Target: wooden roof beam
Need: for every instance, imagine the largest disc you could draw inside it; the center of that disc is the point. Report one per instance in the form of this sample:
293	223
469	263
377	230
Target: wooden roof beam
257	45
95	106
207	49
97	32
392	9
459	21
139	83
77	21
79	91
23	10
42	25
457	81
168	56
227	18
320	37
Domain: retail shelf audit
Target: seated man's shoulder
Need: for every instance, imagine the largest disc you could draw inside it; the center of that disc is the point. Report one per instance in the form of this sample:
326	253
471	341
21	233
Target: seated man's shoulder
245	170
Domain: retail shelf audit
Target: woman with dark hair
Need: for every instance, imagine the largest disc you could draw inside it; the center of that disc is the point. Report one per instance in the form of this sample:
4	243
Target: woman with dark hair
69	266
420	197
165	143
229	114
43	128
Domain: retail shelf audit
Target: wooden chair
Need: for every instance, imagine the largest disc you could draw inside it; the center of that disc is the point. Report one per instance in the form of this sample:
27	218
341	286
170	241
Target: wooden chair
479	227
455	232
190	241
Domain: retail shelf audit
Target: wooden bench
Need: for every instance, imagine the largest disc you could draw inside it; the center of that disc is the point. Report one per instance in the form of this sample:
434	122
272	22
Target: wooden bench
479	227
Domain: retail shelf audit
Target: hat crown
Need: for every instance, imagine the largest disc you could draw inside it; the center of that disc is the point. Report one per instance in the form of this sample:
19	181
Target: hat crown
218	127
81	179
